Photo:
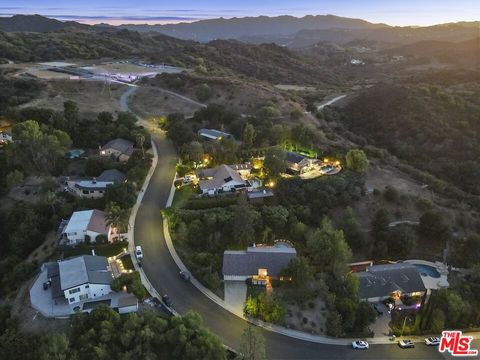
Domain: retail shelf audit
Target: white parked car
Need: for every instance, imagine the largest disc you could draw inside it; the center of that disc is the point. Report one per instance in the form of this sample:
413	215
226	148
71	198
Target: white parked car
187	179
139	253
432	341
360	344
405	344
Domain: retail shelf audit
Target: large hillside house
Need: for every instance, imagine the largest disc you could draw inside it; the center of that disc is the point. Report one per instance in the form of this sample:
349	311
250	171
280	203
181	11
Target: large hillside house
78	284
299	164
221	179
390	281
259	263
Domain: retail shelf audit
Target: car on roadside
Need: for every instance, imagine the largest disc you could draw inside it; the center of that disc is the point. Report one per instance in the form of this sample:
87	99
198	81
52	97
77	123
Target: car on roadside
166	300
138	253
360	344
185	275
432	341
406	344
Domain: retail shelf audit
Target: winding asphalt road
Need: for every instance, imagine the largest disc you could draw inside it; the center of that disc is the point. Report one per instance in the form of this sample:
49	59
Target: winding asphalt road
162	272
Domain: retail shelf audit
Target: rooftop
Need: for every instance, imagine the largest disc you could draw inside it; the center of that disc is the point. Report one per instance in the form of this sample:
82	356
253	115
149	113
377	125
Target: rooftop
84	269
113	175
247	263
92	220
213	134
382	280
219	176
122	145
293	157
260	193
92	184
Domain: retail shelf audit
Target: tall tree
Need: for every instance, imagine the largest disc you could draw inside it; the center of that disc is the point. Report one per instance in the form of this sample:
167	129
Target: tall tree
328	250
140	141
248	135
357	161
274	162
244	215
252	344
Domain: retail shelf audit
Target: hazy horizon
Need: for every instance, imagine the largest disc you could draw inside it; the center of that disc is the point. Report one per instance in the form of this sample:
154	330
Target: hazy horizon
406	13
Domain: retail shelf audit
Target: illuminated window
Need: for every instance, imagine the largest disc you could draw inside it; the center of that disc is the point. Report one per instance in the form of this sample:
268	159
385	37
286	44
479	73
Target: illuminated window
262	272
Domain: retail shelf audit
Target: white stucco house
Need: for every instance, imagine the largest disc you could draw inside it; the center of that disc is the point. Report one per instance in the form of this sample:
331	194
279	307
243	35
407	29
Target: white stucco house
81	278
78	284
91	223
221	179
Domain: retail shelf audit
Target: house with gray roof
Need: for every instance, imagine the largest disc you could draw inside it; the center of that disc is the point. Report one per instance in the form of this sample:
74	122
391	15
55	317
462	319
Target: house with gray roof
77	284
257	263
381	282
79	278
95	188
221	179
212	134
298	163
117	149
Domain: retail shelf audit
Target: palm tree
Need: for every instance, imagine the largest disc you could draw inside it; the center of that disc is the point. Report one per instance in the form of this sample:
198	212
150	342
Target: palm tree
115	216
140	139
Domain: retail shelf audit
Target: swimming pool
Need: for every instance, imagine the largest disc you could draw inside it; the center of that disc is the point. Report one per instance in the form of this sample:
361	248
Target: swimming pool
427	270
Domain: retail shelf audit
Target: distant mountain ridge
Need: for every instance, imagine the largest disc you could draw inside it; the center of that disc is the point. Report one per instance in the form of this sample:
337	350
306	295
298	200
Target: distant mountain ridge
235	28
36	23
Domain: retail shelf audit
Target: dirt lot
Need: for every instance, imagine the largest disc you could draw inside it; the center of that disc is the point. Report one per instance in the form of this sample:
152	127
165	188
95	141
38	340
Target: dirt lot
150	101
91	97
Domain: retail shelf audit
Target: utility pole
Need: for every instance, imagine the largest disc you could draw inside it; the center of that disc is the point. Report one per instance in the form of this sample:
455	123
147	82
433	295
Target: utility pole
403	327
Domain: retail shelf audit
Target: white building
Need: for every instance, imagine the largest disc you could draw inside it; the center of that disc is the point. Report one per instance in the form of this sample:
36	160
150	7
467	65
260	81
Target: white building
81	278
85	223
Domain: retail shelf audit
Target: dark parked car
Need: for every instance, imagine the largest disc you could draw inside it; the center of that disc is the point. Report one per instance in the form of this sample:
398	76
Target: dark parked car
185	275
167	300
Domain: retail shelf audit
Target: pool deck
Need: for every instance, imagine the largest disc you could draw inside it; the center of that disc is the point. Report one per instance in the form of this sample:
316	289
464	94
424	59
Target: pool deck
430	282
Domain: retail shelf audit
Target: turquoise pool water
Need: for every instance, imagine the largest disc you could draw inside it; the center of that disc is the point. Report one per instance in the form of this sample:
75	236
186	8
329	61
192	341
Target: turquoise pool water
427	270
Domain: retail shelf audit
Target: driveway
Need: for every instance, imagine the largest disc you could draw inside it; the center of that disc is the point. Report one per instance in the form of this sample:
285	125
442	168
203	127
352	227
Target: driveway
381	325
235	294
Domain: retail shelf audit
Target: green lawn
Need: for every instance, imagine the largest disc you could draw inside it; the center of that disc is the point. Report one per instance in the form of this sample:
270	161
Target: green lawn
100	250
127	262
182	195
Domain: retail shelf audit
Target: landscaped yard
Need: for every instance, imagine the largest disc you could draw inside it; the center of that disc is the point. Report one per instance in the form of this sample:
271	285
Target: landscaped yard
100	250
182	195
127	262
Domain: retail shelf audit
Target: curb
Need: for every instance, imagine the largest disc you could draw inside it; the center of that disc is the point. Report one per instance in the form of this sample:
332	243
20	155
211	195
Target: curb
381	340
131	233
